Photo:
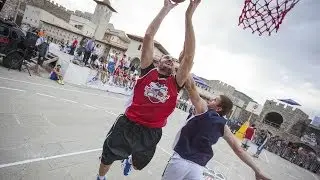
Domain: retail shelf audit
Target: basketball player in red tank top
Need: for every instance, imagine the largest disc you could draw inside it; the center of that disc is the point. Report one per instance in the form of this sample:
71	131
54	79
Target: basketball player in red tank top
136	133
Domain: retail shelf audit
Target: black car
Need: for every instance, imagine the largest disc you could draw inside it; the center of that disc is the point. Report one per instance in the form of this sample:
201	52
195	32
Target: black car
14	44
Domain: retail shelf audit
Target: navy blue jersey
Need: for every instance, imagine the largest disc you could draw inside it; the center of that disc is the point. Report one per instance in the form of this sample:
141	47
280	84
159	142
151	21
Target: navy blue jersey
195	140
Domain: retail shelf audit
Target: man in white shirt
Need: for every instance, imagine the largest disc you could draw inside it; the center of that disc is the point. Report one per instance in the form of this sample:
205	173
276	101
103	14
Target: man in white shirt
43	48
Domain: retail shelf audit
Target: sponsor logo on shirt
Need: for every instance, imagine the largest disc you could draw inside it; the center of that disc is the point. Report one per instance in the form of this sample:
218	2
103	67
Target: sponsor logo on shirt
156	92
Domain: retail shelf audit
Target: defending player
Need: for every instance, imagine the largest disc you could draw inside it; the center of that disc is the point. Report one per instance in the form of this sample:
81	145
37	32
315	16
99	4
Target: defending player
192	149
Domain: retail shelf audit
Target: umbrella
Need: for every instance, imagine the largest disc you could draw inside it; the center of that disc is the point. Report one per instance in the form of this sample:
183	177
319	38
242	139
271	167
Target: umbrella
290	101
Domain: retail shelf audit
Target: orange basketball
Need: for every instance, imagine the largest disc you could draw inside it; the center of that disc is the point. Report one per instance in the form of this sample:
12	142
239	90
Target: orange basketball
177	1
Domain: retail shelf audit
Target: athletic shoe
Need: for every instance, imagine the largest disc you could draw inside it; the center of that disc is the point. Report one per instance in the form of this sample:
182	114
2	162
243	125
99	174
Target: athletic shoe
126	165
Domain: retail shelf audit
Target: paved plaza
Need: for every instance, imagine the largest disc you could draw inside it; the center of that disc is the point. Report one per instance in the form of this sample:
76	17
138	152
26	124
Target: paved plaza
54	132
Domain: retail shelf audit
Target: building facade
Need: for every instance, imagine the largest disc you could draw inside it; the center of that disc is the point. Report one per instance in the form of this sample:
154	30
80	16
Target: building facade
86	27
101	17
243	97
118	40
135	49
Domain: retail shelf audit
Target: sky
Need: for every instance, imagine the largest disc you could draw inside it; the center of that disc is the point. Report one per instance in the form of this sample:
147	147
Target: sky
284	65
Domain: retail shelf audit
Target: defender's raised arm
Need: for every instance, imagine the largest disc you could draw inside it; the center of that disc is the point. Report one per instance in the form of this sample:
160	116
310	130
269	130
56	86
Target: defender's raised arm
189	45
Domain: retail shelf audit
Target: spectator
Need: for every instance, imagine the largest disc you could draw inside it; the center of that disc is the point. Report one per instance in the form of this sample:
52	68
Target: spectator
133	79
88	50
126	78
265	136
56	74
248	136
73	46
42	47
111	67
96	54
104	71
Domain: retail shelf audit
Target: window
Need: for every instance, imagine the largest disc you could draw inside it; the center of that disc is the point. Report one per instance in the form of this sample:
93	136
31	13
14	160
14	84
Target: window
14	35
4	31
139	48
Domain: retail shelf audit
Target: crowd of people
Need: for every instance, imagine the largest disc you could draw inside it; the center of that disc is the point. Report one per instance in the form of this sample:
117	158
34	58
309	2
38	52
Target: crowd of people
301	156
114	69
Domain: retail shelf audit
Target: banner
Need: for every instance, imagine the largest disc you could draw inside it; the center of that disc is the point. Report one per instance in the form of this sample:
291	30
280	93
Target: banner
316	121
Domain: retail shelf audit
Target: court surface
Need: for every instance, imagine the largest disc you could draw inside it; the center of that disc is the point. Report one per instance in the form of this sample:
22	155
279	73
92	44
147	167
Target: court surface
51	132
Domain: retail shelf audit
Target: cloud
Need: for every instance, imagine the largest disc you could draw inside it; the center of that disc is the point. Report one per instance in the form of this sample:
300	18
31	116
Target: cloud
284	65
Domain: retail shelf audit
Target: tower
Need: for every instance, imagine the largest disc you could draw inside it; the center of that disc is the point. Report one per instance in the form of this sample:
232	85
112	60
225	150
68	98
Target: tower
101	17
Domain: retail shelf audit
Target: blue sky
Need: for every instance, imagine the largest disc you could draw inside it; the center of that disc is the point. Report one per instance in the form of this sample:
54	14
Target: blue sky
285	65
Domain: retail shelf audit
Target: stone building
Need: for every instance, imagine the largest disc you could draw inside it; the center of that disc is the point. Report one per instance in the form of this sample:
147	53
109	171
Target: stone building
117	39
221	87
10	7
85	15
135	48
242	96
280	119
90	24
101	17
86	27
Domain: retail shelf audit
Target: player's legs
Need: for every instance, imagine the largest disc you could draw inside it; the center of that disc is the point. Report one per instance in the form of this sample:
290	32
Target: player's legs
144	145
180	169
116	145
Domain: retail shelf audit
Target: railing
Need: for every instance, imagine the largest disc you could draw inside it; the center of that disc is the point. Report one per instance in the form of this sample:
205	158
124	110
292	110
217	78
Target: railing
275	125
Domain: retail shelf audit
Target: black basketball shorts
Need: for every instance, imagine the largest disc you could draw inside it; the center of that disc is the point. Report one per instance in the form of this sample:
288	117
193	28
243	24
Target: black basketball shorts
129	138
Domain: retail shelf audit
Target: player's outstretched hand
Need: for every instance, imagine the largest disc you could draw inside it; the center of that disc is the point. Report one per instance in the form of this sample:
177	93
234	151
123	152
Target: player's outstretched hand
192	7
261	176
168	4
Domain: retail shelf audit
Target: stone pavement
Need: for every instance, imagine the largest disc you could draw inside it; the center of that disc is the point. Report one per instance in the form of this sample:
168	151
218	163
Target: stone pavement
48	131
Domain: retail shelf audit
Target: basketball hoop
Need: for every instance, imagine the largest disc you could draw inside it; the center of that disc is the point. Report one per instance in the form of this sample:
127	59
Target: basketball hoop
265	16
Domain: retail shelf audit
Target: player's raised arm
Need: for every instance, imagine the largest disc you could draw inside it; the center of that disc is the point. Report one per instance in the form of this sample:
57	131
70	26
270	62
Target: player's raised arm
189	45
148	40
243	155
199	104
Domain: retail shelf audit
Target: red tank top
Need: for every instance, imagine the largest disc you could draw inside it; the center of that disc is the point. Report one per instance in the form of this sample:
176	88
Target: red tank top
249	133
153	100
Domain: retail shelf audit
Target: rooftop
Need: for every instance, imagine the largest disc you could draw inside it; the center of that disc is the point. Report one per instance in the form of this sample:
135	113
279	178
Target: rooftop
106	3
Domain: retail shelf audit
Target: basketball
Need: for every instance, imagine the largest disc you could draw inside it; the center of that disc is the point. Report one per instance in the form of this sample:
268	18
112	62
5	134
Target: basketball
177	1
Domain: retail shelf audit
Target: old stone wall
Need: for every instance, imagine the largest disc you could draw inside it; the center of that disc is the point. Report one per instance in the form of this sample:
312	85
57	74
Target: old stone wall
61	12
9	9
290	116
51	7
